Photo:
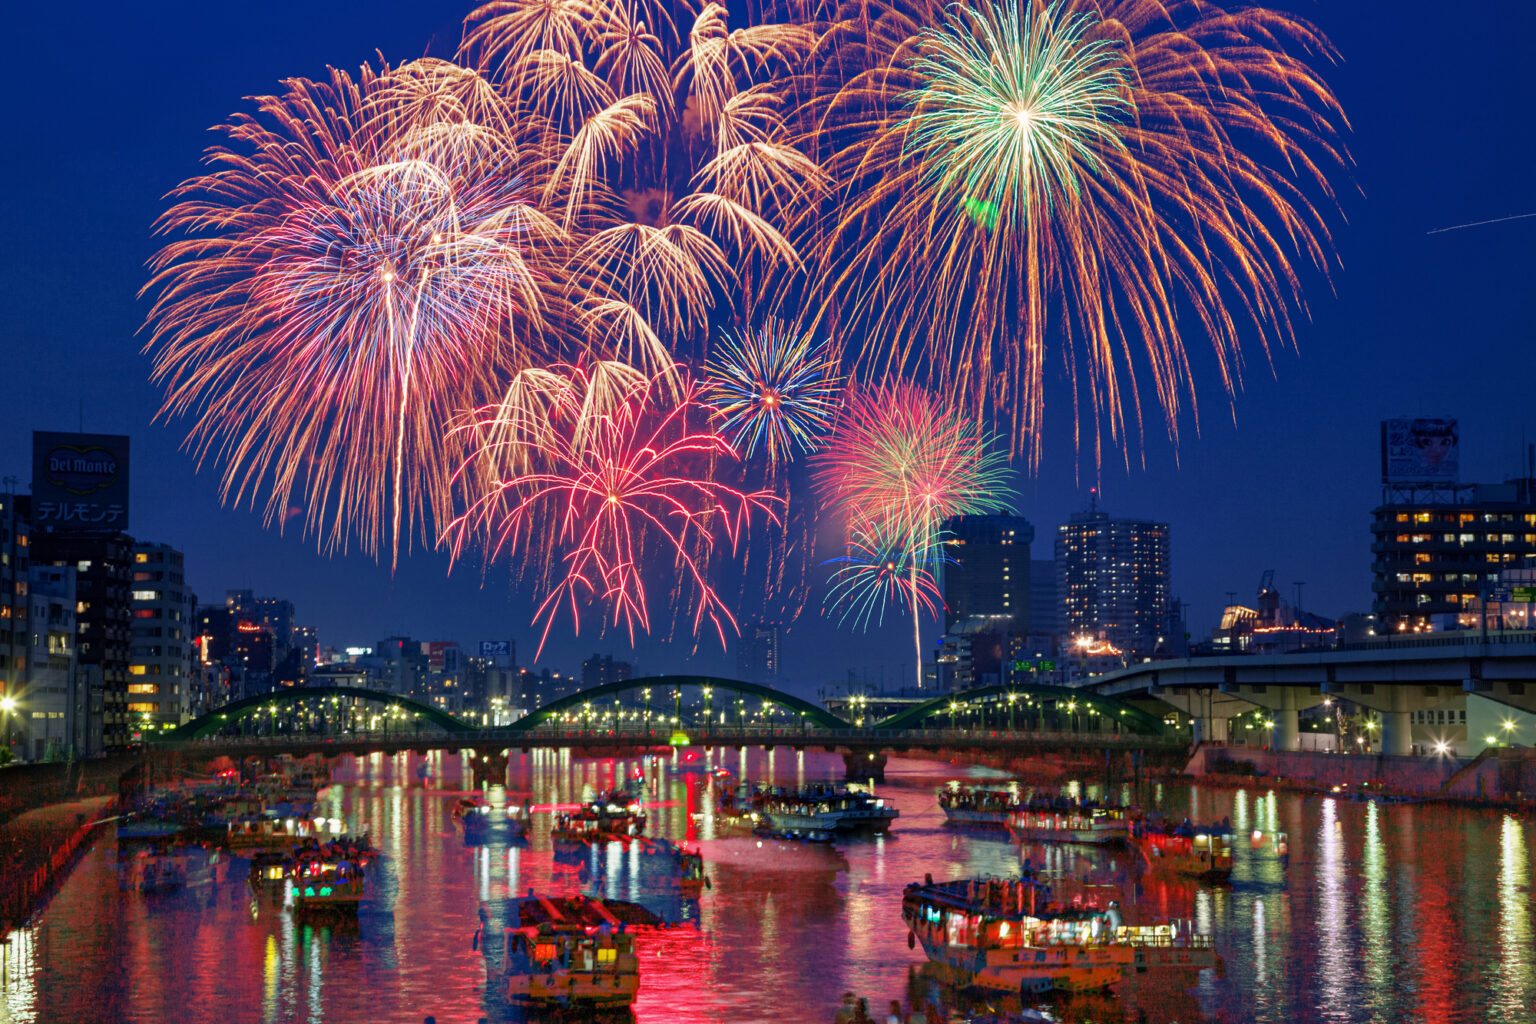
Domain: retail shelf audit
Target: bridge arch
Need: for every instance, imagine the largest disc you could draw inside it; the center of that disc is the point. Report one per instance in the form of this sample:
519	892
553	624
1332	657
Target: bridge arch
812	713
1127	718
228	714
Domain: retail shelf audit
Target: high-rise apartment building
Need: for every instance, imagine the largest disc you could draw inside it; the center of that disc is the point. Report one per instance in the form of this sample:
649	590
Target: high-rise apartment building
986	570
1113	579
1440	550
758	653
164	659
103	564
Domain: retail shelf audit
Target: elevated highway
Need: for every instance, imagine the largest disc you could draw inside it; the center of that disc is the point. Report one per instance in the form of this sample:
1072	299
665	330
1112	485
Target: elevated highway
1392	677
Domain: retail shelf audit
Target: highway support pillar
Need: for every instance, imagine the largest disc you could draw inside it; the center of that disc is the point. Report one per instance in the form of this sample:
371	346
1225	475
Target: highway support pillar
1396	729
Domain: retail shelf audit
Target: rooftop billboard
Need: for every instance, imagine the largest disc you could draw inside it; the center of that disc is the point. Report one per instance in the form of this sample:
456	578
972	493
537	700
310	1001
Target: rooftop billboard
79	481
1420	450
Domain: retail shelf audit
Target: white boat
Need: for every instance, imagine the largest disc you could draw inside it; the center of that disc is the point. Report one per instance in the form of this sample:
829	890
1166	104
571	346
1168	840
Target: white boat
817	812
1077	824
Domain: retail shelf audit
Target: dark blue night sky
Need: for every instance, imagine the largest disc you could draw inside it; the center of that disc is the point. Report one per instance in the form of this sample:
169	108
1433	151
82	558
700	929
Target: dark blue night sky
109	110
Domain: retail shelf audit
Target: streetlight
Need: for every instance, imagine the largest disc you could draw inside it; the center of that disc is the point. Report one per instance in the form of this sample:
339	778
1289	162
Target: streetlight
7	708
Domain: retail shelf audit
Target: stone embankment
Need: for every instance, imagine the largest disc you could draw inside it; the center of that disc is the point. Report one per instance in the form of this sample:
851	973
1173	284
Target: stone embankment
1502	775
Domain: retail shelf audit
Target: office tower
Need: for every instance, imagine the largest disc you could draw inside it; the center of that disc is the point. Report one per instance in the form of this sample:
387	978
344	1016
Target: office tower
986	570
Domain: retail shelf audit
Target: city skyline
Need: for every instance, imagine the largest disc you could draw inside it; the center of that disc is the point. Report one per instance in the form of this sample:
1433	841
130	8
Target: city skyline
1393	341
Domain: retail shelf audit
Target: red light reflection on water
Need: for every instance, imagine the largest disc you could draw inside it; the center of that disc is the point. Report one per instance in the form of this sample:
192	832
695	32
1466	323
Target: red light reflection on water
786	928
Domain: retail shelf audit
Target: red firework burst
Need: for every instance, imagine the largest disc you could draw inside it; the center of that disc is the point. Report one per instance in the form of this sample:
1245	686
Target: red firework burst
595	470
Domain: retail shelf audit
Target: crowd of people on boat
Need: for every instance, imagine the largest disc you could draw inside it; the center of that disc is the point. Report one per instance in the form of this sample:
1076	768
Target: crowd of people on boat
978	800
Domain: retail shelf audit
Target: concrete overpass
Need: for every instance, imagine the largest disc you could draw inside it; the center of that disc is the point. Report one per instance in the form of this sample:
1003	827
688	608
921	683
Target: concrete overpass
1392	677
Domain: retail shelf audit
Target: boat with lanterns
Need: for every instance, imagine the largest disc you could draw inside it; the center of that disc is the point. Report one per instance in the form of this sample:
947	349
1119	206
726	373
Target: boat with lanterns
1008	935
1069	821
573	951
1203	852
614	815
978	806
272	832
817	812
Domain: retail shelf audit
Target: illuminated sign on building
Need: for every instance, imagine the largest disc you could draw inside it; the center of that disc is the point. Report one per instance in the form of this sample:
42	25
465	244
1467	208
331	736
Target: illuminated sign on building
1420	450
80	481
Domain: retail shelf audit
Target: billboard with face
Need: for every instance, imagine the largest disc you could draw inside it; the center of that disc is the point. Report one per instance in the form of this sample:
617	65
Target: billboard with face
1420	450
79	481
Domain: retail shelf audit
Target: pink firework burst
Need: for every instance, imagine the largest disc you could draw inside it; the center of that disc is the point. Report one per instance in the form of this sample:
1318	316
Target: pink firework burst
604	472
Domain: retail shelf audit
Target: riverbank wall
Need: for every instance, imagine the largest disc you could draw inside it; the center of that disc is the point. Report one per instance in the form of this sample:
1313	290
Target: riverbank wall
1501	775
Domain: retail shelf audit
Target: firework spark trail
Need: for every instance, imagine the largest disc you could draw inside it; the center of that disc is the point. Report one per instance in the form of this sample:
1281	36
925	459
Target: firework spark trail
772	388
899	462
1482	223
1082	170
698	205
345	285
594	466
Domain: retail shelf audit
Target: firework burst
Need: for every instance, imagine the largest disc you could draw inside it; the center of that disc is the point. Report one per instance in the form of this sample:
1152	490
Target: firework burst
1083	172
593	470
347	284
898	463
772	388
884	567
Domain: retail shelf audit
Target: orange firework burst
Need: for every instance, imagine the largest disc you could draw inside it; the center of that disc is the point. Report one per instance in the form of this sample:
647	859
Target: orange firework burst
1081	170
590	470
675	147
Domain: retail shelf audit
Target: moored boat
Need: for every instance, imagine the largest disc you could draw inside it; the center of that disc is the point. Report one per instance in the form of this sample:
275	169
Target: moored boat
570	951
978	806
612	815
1198	851
1069	823
817	812
1007	935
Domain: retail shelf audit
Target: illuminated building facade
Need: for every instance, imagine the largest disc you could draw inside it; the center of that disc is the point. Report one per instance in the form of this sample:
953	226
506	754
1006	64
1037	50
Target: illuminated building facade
986	570
1113	580
163	663
1440	552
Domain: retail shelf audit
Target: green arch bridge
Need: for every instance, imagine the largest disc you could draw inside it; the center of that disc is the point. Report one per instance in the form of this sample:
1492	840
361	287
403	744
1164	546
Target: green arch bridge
674	709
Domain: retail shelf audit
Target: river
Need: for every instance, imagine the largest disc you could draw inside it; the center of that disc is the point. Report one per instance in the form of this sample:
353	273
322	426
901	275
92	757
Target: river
1385	912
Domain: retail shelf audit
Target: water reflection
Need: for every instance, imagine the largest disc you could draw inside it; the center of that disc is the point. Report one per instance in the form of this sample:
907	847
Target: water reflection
1367	923
1512	981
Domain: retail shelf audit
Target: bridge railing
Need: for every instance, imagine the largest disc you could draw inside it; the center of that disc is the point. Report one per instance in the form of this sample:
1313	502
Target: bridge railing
719	736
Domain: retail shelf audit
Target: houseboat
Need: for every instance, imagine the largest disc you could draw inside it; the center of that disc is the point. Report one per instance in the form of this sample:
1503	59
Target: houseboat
569	951
1203	852
1074	822
612	815
818	812
1008	936
977	806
